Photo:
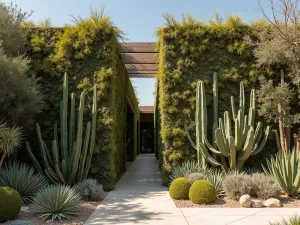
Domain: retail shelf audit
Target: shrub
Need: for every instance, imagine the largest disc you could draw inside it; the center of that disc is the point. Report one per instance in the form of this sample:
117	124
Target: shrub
10	202
90	189
56	202
295	220
216	177
202	192
179	188
235	186
23	179
285	169
20	222
187	168
265	187
192	177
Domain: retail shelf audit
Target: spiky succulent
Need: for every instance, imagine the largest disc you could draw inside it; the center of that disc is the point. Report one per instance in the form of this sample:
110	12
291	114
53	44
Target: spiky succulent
58	202
23	179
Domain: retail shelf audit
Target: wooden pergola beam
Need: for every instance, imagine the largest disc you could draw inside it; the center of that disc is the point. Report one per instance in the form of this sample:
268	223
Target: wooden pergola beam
138	47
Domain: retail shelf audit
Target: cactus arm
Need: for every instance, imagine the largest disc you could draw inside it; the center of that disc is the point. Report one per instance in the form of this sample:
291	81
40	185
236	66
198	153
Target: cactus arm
262	143
248	146
224	163
251	117
64	118
93	133
211	148
72	124
215	108
57	157
220	142
232	153
78	145
189	137
233	108
208	157
84	152
258	132
253	104
34	160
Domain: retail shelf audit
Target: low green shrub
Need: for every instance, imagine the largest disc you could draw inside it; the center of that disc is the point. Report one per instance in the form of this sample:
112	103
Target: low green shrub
187	168
23	179
20	222
10	202
56	202
90	189
295	220
216	177
265	186
202	192
192	177
179	188
236	185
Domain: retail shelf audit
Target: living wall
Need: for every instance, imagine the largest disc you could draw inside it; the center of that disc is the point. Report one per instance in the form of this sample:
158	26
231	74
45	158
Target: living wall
190	51
88	52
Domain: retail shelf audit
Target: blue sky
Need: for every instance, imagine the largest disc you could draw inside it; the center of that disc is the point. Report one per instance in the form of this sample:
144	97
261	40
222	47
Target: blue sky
139	18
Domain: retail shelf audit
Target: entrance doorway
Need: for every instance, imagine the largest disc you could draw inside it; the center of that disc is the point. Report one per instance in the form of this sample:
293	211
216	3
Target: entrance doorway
146	129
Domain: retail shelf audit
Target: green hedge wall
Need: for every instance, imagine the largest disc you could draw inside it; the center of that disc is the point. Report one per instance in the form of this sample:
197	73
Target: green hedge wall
190	51
88	52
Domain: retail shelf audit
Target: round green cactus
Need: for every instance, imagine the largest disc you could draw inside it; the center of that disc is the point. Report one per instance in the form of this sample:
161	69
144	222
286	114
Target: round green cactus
12	201
179	188
202	192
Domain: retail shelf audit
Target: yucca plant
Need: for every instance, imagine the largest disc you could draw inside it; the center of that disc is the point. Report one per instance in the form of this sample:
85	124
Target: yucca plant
58	202
285	169
187	168
10	140
23	179
216	177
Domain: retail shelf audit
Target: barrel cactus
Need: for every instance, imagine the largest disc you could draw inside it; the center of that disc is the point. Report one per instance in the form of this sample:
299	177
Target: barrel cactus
202	192
10	201
229	149
68	161
179	188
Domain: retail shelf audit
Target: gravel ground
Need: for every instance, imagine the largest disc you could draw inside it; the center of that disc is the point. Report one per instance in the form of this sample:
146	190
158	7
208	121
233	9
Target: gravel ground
86	209
287	202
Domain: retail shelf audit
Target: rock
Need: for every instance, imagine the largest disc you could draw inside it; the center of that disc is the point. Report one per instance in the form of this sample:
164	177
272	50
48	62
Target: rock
24	209
257	204
245	201
272	203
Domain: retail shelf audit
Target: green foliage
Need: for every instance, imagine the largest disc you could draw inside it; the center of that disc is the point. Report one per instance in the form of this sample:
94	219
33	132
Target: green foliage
90	189
295	220
237	185
216	177
23	179
57	202
202	192
20	222
89	53
285	169
179	188
256	185
10	202
11	34
187	168
75	151
190	51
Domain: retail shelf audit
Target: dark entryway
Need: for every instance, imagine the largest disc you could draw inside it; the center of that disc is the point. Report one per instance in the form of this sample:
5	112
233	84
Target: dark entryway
146	129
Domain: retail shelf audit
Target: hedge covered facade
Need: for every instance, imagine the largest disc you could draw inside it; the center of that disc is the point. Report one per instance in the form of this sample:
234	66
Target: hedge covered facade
88	52
190	51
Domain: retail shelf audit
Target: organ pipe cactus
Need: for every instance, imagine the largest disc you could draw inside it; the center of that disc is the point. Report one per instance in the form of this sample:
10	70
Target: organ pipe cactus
69	159
233	148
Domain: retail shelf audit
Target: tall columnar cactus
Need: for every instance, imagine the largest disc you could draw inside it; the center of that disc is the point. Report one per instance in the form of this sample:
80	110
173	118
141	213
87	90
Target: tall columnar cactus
69	159
233	148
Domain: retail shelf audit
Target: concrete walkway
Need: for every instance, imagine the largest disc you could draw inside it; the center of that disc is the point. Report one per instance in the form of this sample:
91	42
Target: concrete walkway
139	198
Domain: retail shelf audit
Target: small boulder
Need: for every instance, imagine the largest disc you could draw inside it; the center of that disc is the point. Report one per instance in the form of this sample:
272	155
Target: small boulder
245	201
272	203
24	209
257	204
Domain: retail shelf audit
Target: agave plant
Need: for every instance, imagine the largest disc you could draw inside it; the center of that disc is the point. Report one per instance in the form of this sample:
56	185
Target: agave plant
10	140
285	169
216	177
187	168
23	179
58	202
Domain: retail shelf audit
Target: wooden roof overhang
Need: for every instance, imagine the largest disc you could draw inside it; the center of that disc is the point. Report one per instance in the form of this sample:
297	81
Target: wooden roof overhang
140	58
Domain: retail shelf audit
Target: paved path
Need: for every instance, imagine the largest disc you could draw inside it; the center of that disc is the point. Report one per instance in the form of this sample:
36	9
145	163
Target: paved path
139	198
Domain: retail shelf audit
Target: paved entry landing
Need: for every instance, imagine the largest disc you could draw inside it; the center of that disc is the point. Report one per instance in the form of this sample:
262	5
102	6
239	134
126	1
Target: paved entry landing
139	198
